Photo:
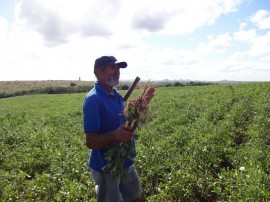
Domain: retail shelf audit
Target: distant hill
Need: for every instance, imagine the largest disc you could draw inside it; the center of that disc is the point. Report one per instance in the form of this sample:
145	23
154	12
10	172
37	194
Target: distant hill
201	81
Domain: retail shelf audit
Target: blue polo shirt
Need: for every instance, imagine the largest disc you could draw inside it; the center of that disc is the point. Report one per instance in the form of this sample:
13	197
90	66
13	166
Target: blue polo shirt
102	114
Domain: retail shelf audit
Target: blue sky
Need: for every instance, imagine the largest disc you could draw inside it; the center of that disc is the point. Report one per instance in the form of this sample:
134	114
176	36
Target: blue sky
173	39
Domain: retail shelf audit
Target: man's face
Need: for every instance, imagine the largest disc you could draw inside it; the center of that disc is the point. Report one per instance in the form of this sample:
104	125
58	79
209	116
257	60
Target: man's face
110	75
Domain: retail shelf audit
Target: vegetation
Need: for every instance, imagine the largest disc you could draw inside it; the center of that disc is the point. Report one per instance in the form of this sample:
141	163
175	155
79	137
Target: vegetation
19	88
202	143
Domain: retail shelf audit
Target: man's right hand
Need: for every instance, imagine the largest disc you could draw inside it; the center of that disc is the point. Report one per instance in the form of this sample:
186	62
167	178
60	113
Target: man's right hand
123	133
97	141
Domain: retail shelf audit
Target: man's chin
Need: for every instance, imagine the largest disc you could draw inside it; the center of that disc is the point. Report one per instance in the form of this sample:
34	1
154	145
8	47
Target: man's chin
113	83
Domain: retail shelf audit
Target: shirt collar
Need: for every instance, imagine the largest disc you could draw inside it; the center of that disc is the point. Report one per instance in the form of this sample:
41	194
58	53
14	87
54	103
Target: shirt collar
103	91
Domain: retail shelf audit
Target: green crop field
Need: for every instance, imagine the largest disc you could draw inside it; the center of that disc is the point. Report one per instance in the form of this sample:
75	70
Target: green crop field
202	143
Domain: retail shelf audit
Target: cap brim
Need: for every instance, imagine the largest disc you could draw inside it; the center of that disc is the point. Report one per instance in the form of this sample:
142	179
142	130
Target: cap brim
122	64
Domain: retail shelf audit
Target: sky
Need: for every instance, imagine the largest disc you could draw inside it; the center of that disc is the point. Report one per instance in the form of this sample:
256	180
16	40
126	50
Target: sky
210	40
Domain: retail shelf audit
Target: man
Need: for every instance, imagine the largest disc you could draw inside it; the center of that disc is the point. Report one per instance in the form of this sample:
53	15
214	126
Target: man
103	125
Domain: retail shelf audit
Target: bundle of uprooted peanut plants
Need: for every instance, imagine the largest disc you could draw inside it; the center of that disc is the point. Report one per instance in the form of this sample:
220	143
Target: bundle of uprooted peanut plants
136	112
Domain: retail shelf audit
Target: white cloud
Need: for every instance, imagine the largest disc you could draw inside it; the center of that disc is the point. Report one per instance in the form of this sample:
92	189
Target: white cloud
245	35
243	25
174	17
3	34
3	27
216	44
64	38
260	46
57	20
262	19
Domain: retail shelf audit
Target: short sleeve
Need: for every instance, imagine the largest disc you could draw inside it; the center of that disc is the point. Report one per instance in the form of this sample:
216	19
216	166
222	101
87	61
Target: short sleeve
91	110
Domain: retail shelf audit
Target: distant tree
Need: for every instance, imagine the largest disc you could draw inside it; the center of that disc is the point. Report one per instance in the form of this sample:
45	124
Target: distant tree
177	83
72	84
124	87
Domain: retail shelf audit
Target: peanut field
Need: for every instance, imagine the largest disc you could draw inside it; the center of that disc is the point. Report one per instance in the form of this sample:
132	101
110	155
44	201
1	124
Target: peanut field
201	143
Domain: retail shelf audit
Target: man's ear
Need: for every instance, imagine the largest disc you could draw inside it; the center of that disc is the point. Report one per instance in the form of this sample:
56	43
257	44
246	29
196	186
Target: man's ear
98	72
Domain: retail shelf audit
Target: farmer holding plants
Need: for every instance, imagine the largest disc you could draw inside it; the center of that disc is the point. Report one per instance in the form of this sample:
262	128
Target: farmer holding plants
104	126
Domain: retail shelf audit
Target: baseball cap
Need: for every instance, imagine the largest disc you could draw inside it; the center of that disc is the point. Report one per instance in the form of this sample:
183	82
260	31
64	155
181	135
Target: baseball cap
106	60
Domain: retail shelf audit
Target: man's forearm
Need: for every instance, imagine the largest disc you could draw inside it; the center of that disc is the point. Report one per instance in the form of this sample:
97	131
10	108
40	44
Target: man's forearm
96	141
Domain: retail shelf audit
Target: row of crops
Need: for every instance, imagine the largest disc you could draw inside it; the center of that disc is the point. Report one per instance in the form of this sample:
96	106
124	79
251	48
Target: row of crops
204	143
208	144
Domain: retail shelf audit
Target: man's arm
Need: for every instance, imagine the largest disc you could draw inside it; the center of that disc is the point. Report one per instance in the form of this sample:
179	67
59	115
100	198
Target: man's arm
95	140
